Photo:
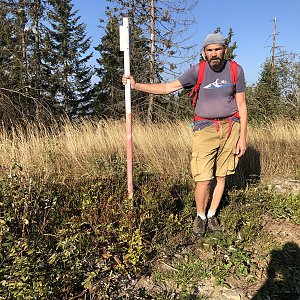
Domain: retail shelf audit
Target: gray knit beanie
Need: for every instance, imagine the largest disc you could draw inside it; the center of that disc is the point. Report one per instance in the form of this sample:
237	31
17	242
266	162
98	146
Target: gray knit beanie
214	38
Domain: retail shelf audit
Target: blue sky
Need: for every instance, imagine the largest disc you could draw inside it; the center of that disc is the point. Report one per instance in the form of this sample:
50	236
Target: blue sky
250	20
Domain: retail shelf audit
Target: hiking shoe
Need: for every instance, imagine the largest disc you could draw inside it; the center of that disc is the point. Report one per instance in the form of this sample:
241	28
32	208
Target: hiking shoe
199	226
213	224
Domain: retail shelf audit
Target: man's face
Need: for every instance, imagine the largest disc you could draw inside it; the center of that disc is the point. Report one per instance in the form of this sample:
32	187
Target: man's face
215	54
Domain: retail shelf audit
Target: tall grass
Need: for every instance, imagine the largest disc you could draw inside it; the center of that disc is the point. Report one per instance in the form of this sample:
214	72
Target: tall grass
76	150
278	144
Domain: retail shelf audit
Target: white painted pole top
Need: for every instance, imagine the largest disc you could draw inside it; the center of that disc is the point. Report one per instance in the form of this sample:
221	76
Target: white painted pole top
125	47
124	35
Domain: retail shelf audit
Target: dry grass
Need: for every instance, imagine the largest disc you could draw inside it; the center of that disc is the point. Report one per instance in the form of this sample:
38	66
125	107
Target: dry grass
278	145
75	150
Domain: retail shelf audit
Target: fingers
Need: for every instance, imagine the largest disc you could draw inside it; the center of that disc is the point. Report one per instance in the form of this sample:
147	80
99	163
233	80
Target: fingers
241	147
240	151
125	79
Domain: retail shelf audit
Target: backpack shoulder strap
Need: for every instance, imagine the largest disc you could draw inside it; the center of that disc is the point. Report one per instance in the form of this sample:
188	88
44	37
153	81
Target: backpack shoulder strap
201	74
234	74
233	71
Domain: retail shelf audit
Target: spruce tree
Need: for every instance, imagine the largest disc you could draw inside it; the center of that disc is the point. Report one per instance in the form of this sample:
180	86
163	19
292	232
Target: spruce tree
288	71
67	48
6	29
231	46
6	61
266	103
109	90
20	74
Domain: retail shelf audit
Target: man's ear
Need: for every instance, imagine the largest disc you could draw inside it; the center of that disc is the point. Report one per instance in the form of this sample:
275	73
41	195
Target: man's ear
203	54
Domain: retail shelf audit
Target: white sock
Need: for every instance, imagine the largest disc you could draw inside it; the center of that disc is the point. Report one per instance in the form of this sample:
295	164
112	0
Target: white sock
201	215
211	213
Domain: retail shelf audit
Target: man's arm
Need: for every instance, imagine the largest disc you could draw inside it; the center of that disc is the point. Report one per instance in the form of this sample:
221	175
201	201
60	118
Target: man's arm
153	88
242	108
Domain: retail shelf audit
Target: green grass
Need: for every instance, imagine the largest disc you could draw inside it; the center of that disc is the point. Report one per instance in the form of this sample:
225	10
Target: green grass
88	240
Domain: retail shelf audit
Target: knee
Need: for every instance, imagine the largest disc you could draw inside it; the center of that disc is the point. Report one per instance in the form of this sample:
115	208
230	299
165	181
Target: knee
205	183
220	179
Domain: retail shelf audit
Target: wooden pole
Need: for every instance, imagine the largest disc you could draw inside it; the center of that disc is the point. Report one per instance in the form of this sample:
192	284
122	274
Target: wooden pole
125	47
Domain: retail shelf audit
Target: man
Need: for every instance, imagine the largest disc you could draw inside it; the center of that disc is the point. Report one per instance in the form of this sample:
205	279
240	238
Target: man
220	126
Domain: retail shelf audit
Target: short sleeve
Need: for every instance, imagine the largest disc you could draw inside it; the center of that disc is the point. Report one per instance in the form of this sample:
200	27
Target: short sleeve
189	78
240	83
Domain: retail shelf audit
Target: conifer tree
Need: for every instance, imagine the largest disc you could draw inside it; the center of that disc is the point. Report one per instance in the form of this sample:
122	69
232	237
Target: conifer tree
109	90
6	28
288	71
67	48
266	103
6	60
277	91
21	96
231	47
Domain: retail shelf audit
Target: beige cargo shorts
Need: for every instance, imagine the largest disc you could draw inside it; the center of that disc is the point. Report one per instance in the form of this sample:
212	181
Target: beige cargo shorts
213	151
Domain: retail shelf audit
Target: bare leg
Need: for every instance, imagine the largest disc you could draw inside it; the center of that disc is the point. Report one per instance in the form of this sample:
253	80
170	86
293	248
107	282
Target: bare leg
202	195
217	193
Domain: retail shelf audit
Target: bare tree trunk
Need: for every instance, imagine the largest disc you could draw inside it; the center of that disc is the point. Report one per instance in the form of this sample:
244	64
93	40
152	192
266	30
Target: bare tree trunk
273	46
152	61
36	32
22	32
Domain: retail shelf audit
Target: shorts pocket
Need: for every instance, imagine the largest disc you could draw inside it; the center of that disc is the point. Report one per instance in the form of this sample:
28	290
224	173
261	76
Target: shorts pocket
201	167
232	162
195	164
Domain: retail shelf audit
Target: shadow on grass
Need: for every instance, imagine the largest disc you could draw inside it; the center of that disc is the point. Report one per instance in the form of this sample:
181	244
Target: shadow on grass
247	173
283	281
248	170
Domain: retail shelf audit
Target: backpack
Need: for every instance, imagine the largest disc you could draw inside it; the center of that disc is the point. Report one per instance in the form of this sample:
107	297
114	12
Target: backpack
201	73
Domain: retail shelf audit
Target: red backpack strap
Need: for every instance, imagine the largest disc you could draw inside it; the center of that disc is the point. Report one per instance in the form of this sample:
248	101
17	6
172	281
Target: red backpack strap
201	73
234	72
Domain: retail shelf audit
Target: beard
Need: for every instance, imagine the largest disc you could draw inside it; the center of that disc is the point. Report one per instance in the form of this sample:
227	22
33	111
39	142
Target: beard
216	63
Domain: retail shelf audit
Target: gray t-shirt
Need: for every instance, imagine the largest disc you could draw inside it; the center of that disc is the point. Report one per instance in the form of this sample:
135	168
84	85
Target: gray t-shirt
216	94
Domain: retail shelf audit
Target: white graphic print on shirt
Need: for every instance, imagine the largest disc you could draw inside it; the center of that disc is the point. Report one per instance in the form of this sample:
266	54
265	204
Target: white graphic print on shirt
217	84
